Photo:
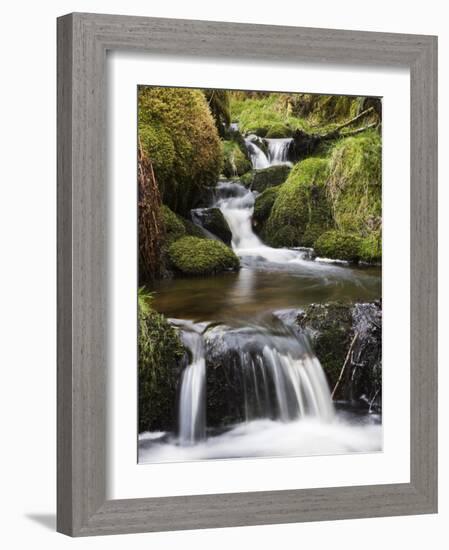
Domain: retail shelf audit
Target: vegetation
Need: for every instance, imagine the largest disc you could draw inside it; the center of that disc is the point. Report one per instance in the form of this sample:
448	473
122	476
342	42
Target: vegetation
193	256
178	134
160	359
301	210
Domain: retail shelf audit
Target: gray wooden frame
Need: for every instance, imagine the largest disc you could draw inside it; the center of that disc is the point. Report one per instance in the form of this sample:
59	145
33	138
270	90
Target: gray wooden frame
83	40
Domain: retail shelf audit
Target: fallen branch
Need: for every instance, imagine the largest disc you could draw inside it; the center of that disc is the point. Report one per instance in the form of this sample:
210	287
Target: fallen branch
348	355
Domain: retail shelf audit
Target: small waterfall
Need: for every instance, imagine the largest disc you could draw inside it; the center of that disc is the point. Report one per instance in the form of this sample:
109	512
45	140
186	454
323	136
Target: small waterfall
258	158
192	411
278	150
237	205
271	373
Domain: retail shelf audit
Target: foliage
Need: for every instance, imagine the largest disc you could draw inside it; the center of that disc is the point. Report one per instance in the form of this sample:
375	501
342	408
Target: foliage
193	256
338	245
236	162
264	115
160	355
301	209
151	222
178	134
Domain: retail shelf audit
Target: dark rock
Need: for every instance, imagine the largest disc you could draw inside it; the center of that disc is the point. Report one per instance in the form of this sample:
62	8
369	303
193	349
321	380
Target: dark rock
350	333
212	220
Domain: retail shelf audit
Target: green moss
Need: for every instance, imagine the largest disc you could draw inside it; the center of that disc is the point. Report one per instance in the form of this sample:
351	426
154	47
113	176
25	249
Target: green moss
338	245
259	180
279	131
193	256
371	248
301	209
262	207
266	115
178	134
236	162
355	183
160	355
174	226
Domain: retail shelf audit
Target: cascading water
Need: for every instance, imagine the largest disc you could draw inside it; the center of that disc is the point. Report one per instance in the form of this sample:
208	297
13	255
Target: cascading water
278	150
258	158
192	411
237	205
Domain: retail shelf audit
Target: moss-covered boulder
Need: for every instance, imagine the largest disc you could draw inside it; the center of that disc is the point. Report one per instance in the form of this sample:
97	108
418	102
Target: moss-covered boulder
160	361
349	336
174	227
259	180
339	245
212	220
192	229
178	134
355	183
262	207
194	256
301	210
236	161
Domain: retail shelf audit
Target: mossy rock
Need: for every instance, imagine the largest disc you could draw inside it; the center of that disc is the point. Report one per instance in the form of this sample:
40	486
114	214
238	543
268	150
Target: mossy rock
262	207
236	162
194	256
279	131
259	180
339	245
174	226
355	183
212	220
161	356
330	329
350	335
178	134
301	209
192	229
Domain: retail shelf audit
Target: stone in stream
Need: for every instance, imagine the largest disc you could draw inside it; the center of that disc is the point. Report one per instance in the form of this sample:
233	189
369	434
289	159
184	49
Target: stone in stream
259	180
213	221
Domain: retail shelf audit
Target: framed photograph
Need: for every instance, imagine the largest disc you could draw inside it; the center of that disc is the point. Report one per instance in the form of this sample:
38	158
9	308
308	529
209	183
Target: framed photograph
247	278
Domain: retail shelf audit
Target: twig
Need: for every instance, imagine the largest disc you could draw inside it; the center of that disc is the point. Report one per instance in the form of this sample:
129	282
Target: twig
344	365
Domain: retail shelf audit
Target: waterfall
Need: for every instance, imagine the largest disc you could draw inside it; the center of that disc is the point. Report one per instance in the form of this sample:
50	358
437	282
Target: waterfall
192	411
271	373
278	150
258	158
237	205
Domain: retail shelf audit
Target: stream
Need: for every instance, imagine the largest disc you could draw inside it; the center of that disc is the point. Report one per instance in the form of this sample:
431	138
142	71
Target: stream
244	321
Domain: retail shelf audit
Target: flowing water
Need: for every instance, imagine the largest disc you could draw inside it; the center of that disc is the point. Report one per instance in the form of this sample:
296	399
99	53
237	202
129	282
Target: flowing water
243	322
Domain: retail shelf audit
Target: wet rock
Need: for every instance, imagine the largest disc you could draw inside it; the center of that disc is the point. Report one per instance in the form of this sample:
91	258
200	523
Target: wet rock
348	335
213	220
